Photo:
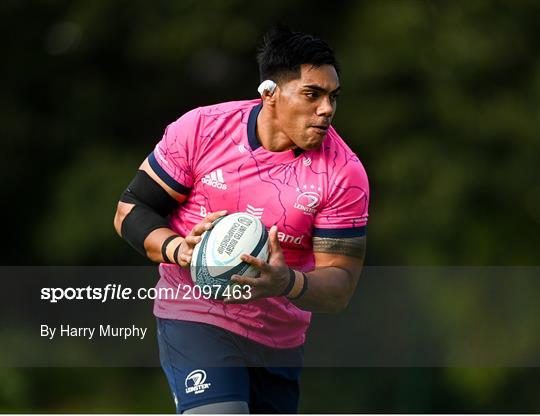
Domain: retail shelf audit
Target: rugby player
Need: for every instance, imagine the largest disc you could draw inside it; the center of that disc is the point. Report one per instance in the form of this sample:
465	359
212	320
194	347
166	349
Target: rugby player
279	158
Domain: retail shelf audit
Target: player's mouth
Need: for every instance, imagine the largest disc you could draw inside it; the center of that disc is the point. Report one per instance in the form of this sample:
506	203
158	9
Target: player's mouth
320	129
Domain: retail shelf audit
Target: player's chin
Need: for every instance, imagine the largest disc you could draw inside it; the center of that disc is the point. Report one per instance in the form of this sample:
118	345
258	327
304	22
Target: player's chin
313	142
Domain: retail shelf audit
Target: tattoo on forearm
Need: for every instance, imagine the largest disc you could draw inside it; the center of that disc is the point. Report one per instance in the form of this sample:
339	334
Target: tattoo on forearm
353	247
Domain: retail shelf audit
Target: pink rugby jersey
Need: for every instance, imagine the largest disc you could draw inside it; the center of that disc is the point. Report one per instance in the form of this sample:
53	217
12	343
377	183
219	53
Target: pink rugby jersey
212	155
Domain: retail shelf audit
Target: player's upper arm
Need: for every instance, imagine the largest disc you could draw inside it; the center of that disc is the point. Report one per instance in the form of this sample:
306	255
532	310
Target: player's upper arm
345	253
146	167
339	235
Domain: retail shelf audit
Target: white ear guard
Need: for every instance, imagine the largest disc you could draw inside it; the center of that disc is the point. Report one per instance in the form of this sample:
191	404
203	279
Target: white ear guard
267	85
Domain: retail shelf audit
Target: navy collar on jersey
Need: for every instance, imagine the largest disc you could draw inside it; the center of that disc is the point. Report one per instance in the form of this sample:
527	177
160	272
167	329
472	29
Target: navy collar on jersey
254	142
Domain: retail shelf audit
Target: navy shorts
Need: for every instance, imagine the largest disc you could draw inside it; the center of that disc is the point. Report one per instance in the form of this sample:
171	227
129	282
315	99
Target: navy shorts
206	364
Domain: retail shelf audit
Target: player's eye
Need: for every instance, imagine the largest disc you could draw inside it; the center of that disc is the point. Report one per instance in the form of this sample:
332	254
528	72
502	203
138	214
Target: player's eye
312	94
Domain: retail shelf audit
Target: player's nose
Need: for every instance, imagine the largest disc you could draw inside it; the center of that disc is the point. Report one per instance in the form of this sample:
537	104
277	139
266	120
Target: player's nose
325	108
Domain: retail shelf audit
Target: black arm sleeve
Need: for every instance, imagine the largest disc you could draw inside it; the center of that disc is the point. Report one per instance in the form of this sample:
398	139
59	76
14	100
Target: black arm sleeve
152	206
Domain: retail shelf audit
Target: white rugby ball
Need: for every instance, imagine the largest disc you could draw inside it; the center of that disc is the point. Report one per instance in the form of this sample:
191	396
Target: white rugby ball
217	256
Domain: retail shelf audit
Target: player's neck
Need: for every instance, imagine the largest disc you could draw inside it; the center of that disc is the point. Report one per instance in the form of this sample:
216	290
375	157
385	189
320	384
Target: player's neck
272	138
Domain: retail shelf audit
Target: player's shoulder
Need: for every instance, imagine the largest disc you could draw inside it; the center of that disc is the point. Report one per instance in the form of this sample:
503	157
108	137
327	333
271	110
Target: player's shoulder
213	116
227	109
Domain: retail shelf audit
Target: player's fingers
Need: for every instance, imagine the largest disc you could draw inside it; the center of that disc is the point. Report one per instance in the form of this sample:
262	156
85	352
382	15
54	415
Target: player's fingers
215	215
273	241
245	281
193	240
206	223
200	228
258	263
184	260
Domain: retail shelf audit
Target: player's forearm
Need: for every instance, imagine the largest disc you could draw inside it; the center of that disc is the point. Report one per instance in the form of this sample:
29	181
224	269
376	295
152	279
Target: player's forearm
329	289
155	241
148	243
142	217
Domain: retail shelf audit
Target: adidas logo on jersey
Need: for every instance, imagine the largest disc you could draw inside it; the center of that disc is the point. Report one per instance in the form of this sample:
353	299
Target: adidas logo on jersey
215	179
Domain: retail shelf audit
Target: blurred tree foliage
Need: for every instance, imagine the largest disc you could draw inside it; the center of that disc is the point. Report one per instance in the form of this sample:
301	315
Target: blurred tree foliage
440	100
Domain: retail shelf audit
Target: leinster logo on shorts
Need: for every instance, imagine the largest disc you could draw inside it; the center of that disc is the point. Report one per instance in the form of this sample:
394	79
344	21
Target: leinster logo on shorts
195	382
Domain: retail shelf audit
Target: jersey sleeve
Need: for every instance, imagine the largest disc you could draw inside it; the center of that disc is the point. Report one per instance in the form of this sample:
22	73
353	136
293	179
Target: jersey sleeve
172	157
345	211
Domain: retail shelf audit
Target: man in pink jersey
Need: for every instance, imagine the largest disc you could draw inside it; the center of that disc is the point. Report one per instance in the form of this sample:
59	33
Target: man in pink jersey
279	158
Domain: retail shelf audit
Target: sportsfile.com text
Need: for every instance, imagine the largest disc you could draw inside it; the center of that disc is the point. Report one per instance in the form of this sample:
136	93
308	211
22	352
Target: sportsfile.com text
114	292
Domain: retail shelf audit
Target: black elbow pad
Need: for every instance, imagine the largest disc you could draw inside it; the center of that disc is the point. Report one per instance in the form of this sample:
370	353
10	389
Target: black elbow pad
140	222
152	206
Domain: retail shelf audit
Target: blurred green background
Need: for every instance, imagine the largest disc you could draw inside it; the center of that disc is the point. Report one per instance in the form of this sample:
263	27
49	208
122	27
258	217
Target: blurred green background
440	100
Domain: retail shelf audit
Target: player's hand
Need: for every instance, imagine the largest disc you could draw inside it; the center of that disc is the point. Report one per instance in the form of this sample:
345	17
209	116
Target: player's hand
194	237
274	277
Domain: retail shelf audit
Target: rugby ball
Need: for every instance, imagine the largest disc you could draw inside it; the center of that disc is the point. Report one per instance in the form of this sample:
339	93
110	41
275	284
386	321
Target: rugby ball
217	256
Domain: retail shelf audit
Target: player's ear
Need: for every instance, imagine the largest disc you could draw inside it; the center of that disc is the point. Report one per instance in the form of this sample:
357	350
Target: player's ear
267	90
